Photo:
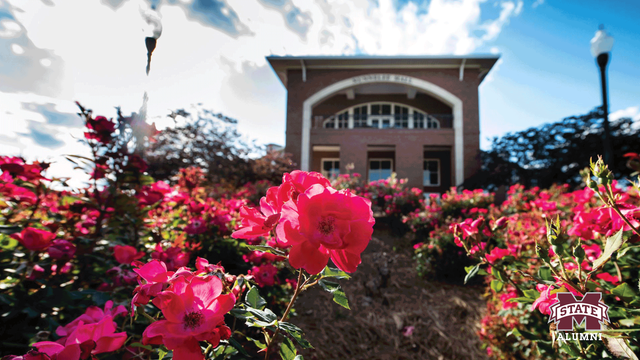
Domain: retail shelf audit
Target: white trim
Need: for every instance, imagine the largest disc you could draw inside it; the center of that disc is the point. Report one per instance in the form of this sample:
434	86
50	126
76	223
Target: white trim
386	66
351	94
326	148
432	89
377	159
322	160
439	172
464	61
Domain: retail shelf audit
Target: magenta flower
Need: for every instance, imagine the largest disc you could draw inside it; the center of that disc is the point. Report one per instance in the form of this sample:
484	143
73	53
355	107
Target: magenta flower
34	239
193	312
545	300
85	341
326	223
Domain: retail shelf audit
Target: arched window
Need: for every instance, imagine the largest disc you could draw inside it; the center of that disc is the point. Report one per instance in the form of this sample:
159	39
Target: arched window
381	115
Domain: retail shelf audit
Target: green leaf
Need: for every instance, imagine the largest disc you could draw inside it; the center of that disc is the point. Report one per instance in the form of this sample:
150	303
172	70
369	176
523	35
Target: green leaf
613	244
10	229
471	272
545	273
496	285
287	350
528	335
265	316
241	314
334	288
237	346
161	353
619	347
254	299
8	243
335	273
531	294
624	291
623	252
525	300
268	249
139	345
146	180
570	348
296	333
257	343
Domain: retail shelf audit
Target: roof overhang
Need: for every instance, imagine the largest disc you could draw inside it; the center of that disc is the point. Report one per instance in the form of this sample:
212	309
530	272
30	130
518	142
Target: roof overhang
281	64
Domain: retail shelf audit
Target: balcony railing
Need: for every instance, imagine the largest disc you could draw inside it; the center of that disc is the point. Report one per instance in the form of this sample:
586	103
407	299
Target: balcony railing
400	121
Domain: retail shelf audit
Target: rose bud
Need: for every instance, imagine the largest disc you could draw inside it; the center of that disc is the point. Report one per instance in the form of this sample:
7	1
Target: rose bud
61	250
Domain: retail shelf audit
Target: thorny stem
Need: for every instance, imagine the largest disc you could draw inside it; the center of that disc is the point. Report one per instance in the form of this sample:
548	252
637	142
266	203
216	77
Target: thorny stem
582	284
286	313
147	316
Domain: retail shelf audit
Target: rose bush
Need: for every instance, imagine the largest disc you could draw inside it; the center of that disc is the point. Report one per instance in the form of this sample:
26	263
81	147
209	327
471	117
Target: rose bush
538	243
183	260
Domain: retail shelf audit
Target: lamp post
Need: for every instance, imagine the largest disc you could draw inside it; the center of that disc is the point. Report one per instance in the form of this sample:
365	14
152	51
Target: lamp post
601	45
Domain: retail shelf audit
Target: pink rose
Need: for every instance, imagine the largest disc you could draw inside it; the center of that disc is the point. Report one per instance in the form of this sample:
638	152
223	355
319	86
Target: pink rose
34	239
326	223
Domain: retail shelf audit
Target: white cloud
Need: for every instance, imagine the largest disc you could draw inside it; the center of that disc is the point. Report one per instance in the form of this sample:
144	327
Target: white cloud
9	29
537	3
632	112
100	52
17	49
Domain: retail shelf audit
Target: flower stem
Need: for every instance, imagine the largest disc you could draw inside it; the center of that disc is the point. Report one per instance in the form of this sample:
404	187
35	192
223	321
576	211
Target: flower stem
286	313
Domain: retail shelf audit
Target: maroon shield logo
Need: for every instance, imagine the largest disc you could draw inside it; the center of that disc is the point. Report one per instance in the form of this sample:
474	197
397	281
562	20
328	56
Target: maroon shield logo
567	310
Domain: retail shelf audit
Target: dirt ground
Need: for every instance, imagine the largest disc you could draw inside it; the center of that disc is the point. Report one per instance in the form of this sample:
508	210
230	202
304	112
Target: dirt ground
387	298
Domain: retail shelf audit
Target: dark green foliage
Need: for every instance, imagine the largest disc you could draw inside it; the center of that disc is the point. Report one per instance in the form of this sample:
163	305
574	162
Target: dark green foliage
554	153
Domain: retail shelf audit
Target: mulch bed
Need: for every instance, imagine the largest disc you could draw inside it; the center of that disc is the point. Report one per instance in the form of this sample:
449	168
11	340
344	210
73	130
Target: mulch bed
386	299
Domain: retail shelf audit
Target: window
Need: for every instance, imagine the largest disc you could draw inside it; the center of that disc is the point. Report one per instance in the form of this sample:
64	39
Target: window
382	115
418	120
380	169
330	168
343	120
431	172
424	121
329	124
360	116
401	117
432	123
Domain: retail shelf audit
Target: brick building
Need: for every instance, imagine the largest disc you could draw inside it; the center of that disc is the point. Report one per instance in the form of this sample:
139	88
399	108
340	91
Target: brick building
416	116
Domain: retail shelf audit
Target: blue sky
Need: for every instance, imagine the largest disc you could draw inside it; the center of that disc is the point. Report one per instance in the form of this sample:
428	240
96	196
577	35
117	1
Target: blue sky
53	52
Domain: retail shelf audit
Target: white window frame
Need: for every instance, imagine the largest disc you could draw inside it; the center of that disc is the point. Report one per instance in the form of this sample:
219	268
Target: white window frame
380	118
377	159
323	171
439	172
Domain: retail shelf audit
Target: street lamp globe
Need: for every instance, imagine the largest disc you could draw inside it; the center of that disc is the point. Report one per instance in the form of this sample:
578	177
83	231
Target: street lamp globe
601	46
601	43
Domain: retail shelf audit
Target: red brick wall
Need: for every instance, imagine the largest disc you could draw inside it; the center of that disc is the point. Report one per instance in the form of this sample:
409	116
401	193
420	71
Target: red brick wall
353	142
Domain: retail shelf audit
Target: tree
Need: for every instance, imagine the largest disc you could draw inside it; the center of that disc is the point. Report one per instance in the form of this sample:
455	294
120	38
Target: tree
554	153
211	141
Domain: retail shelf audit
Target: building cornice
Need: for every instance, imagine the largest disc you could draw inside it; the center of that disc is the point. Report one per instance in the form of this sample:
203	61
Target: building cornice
282	64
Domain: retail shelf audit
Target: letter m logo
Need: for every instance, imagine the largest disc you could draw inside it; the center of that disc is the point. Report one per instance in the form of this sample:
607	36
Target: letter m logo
567	310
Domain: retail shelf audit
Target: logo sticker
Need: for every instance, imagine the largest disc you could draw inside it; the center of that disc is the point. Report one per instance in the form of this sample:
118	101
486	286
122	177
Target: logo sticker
590	310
